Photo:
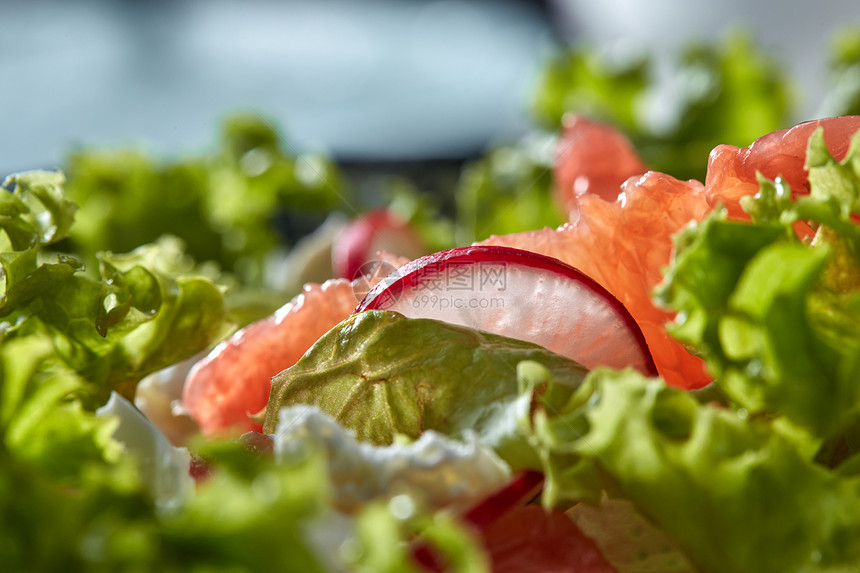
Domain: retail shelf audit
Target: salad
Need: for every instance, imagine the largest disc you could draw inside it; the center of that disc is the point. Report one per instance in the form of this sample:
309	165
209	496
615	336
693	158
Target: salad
619	371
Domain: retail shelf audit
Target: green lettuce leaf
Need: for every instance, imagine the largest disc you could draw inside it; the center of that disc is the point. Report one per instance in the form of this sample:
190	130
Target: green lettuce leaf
778	319
41	421
250	515
843	97
232	206
71	499
133	314
727	92
424	211
509	190
732	491
382	375
382	529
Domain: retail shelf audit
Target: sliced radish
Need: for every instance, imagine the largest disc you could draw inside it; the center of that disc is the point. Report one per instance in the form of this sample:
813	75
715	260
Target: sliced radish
521	295
379	230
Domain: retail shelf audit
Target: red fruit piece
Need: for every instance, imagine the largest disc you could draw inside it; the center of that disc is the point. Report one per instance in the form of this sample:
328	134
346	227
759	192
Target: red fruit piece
233	382
624	246
533	540
525	486
594	159
362	238
732	170
521	295
524	539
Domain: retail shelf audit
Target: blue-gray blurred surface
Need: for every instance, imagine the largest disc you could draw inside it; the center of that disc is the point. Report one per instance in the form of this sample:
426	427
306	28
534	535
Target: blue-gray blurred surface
380	79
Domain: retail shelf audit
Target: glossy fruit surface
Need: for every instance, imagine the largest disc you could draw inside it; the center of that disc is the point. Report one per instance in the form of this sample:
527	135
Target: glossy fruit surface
625	245
732	171
232	383
592	159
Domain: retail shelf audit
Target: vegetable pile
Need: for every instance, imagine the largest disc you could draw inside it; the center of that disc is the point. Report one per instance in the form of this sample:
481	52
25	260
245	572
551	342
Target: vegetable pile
338	434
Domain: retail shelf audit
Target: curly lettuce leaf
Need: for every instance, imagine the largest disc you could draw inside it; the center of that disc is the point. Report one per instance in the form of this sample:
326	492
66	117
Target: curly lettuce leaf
72	499
778	319
250	515
582	81
134	314
382	528
232	206
41	421
733	492
843	97
424	212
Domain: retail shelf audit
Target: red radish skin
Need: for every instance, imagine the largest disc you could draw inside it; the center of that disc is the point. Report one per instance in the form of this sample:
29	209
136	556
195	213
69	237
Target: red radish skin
199	469
360	240
594	159
519	294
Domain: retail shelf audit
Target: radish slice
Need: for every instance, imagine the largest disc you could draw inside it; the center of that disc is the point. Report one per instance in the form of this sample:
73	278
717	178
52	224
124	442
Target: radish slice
521	295
377	230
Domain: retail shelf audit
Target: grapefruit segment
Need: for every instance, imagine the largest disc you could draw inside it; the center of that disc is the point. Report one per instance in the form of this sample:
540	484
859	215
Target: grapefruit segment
732	170
232	383
594	159
624	246
518	294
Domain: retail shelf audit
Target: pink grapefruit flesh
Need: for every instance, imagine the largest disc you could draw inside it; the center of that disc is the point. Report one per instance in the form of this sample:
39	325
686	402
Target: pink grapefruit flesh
592	159
224	390
625	245
732	171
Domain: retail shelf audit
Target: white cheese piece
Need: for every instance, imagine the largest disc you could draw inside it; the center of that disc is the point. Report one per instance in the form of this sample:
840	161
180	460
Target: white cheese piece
436	470
163	467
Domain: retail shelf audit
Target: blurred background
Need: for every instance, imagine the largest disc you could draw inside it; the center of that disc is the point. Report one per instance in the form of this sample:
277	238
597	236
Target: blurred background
376	79
369	80
241	127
